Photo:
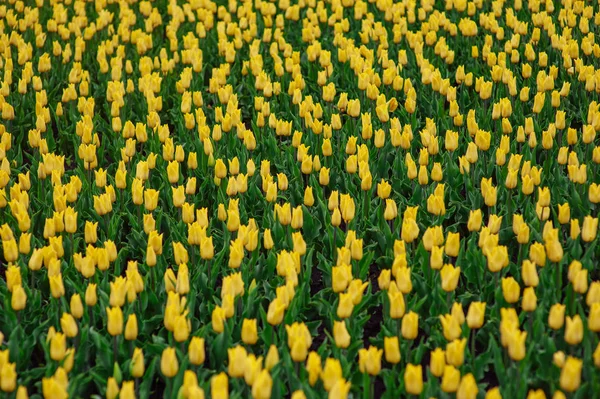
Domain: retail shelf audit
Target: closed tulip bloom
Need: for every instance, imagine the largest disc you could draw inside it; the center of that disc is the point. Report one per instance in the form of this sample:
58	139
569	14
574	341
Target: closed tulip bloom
467	388
253	368
22	393
299	245
196	351
410	325
436	259
450	379
11	252
249	331
537	254
384	189
8	377
510	290
236	253
369	360
313	366
76	306
90	295
131	327
458	313
57	288
391	210
220	170
455	352
340	334
574	330
299	349
331	373
476	315
564	213
52	388
437	362
593	294
68	325
237	361
589	228
403	277
410	230
452	245
451	327
340	389
574	230
570	375
261	389
69	360
554	250
559	359
493	393
18	299
297	218
115	320
413	379
228	305
474	222
391	347
345	305
580	282
218	319
127	390
556	318
137	363
309	198
397	305
219	386
347	207
169	365
450	276
58	347
594	317
341	277
529	302
298	395
529	274
497	257
275	312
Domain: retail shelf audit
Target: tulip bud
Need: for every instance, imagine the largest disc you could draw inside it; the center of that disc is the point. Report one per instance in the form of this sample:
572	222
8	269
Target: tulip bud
18	299
437	362
169	365
249	331
115	320
131	328
570	375
272	357
68	325
413	379
341	336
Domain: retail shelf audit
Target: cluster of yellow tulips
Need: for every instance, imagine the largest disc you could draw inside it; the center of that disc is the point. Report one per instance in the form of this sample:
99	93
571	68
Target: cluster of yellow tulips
299	199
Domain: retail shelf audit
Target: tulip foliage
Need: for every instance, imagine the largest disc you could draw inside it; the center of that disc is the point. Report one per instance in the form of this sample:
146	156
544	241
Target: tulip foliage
307	199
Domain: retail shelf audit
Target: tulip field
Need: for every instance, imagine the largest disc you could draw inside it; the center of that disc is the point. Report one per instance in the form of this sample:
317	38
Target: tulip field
299	199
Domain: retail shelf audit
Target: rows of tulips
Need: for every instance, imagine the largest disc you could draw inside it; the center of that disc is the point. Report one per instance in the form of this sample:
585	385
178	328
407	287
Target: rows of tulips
299	199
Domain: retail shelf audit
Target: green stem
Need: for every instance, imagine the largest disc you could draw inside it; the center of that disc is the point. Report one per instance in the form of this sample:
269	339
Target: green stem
473	341
558	276
115	357
169	388
333	243
366	205
366	386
